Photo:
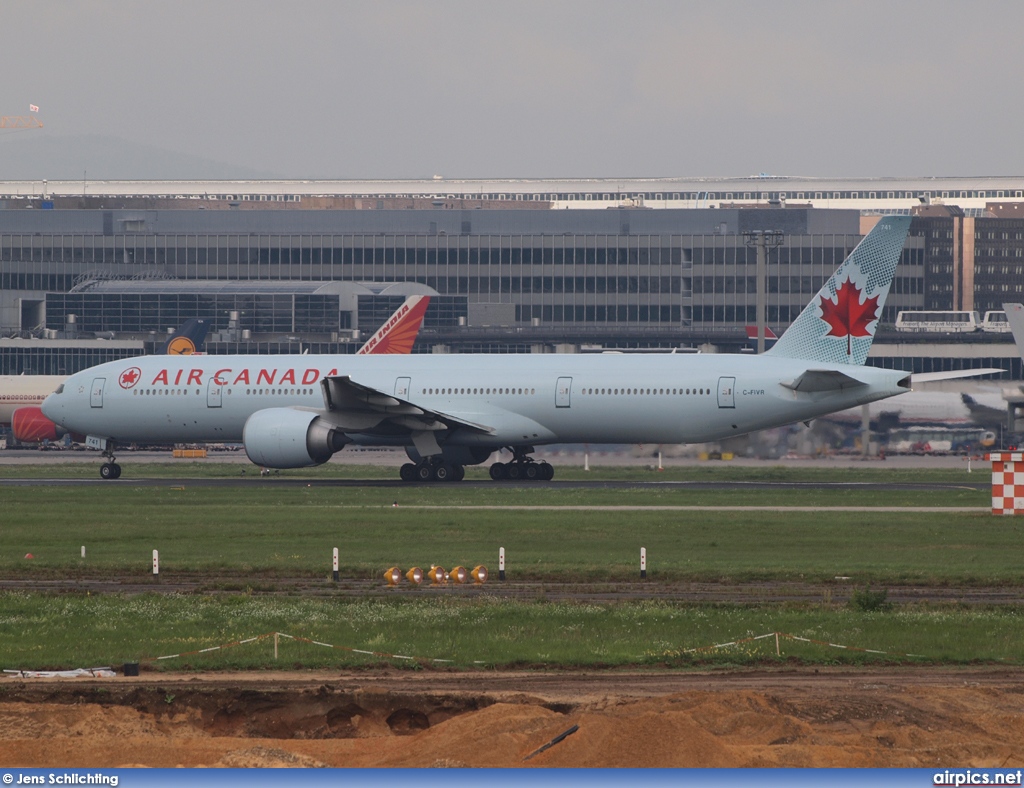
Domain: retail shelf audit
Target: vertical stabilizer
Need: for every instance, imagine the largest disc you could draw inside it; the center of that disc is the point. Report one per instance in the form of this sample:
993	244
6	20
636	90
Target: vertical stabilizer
398	334
837	327
1015	317
188	339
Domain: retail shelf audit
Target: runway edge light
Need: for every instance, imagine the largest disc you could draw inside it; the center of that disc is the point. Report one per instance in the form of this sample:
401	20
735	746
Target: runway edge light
437	575
393	576
479	574
459	574
414	575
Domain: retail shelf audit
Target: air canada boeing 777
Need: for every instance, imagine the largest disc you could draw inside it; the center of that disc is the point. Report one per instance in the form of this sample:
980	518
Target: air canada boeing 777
449	411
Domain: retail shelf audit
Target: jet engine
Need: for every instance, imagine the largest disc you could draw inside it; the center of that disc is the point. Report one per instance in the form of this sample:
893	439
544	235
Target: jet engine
29	425
288	438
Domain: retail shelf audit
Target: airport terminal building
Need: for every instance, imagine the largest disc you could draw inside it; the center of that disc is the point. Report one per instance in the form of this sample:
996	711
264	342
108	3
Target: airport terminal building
82	285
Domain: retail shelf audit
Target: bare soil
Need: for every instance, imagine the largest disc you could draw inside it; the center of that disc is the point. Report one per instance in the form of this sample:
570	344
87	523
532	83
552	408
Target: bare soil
918	717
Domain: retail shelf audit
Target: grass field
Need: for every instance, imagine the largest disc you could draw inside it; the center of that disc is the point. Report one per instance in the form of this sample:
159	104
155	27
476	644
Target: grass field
268	529
256	532
48	632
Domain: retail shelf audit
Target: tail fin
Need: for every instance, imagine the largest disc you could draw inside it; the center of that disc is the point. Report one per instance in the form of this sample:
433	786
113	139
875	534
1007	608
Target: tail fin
837	327
398	334
188	339
1015	317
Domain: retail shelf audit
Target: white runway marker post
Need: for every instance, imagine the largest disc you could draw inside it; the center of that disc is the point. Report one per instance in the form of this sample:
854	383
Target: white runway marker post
156	564
501	563
335	565
643	563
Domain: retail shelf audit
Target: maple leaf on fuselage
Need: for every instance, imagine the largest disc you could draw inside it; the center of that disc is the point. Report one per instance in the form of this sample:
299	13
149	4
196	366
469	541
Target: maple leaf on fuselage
847	316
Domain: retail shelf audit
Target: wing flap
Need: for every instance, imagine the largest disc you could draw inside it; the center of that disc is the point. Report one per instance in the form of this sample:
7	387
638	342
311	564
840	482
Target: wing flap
347	401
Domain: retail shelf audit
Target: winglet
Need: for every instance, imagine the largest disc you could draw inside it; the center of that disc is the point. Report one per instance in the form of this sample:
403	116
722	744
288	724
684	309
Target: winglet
839	324
398	334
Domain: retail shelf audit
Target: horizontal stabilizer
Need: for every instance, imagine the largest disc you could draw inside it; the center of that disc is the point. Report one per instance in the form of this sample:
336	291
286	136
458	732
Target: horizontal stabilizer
823	380
932	377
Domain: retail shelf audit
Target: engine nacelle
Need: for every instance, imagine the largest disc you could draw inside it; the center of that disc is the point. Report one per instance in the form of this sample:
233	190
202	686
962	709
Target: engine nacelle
29	425
289	438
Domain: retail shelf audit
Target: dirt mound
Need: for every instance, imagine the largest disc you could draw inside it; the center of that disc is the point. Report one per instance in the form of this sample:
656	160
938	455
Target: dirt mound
930	719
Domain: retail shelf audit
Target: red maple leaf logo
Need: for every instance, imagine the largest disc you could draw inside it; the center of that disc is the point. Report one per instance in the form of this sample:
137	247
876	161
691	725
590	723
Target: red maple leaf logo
129	377
847	316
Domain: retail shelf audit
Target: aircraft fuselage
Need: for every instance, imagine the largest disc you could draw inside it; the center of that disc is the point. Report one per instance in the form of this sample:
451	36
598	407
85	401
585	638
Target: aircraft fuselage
527	399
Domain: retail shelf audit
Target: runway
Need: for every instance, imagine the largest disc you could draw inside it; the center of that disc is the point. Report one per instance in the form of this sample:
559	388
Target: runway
254	480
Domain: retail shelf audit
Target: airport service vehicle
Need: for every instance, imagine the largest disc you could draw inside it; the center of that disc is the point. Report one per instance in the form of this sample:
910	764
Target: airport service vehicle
449	411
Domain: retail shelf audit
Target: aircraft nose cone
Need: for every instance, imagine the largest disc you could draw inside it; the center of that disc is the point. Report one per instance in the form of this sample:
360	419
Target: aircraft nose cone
51	408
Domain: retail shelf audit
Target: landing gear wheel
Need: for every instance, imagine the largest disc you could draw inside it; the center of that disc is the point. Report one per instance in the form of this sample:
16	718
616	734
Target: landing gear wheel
513	471
531	471
110	470
458	472
443	472
424	473
407	472
547	472
498	471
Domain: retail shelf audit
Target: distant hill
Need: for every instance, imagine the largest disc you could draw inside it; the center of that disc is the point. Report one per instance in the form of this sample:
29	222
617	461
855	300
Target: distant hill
27	157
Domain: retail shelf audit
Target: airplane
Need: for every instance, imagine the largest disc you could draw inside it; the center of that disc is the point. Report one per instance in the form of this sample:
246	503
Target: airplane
449	411
23	394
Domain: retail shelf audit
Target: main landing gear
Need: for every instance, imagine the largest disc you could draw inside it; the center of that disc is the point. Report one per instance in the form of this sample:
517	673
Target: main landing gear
110	469
524	467
432	469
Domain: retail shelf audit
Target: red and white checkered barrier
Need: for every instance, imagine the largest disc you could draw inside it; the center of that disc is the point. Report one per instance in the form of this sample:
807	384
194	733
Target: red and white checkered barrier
1007	482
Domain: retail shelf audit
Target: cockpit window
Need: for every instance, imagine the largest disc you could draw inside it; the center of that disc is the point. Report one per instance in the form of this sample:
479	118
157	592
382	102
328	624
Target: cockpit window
60	389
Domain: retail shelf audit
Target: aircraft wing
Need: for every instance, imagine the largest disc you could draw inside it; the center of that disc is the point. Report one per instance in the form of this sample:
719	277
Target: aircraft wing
354	406
823	380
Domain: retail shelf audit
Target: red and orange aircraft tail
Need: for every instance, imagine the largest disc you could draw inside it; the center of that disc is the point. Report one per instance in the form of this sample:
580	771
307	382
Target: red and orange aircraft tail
398	334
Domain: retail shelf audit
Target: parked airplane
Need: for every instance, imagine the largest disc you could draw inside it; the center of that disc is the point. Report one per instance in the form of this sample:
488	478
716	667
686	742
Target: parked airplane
21	392
26	392
452	410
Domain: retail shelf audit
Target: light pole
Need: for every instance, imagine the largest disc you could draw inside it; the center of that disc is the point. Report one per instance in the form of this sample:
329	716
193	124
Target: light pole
762	240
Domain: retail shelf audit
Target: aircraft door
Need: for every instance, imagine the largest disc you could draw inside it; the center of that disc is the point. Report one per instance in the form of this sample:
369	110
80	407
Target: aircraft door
563	390
214	390
727	392
96	393
402	387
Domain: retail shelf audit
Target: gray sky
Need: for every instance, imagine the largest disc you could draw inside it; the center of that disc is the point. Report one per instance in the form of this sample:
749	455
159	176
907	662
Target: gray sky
467	88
